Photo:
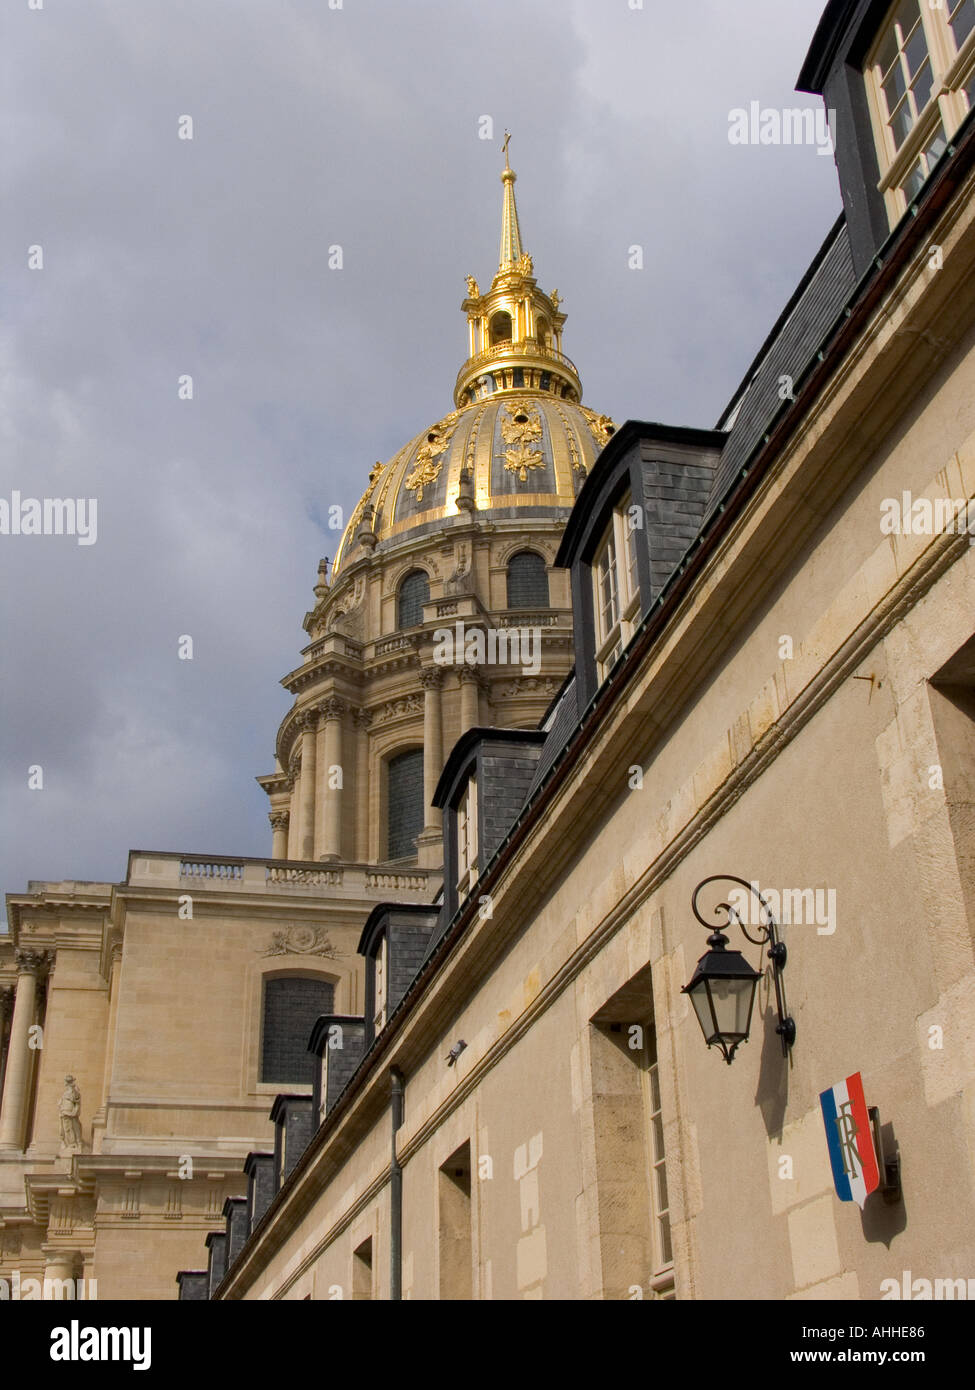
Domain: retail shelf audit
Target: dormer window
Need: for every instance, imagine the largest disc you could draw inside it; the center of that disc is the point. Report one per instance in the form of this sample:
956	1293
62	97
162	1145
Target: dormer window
921	85
616	596
467	865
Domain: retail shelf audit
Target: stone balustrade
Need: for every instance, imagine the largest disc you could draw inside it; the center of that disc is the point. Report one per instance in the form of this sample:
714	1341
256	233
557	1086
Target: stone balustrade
222	873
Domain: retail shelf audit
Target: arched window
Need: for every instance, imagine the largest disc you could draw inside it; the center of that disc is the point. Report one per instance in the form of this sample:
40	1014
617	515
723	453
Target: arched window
500	328
414	592
541	332
404	802
291	1007
527	581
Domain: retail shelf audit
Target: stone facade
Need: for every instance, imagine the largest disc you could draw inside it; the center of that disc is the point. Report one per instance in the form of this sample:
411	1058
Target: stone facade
793	703
150	992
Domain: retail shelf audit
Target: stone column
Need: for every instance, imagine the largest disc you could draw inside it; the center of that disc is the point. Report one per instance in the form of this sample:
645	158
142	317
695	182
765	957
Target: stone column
469	701
279	834
6	1009
309	726
295	789
332	710
362	849
431	680
321	791
59	1273
115	970
16	1089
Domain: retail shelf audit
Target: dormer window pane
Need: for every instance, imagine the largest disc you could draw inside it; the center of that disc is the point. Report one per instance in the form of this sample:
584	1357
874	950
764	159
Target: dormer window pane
616	588
916	48
379	1017
895	87
936	148
921	86
631	563
904	66
467	861
962	20
608	587
901	122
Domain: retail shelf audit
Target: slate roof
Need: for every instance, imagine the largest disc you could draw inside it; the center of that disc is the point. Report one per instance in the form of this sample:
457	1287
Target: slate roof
789	349
565	721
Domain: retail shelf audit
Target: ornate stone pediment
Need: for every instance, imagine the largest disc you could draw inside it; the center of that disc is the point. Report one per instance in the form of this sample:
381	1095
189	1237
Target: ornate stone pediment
301	941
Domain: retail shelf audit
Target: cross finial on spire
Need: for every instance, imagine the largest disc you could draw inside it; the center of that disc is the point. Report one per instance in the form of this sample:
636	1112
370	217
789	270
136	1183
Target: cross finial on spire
511	251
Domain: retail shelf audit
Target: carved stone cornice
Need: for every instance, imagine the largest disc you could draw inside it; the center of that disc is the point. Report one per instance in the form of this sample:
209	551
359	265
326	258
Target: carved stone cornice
431	677
31	962
469	674
307	721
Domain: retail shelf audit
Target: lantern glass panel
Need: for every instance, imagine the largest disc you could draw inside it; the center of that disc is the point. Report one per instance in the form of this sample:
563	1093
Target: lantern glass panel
702	1007
732	1003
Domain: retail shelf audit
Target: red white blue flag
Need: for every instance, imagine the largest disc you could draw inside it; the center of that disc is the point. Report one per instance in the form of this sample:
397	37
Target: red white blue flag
850	1141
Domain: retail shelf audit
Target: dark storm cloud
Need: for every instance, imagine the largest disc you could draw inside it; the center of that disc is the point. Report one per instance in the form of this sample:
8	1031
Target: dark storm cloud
315	127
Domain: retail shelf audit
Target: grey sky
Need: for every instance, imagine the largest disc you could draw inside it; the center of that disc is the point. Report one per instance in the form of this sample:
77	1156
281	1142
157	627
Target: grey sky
315	126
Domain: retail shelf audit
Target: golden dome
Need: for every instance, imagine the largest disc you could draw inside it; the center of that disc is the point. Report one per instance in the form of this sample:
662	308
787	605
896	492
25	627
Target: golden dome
520	437
518	449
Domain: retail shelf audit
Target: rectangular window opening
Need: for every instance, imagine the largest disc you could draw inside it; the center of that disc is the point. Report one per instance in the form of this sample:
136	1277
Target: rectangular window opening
455	1215
362	1287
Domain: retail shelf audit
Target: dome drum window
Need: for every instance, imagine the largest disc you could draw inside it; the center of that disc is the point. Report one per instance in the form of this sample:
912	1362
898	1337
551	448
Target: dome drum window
527	581
414	592
404	804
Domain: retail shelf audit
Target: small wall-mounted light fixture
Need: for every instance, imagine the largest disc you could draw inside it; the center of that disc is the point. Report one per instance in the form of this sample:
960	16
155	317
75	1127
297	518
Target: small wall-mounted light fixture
888	1163
724	984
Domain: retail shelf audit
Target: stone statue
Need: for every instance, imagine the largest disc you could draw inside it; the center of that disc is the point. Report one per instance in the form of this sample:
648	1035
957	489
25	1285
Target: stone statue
69	1110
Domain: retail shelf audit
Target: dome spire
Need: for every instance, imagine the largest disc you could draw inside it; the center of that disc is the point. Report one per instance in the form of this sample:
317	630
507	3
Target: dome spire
514	328
511	251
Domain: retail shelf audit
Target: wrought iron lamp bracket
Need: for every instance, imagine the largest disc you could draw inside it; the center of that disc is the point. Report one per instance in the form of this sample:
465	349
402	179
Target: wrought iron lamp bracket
768	935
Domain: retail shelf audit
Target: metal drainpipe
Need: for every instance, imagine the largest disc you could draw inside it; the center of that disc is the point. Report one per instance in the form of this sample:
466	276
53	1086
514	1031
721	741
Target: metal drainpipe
396	1192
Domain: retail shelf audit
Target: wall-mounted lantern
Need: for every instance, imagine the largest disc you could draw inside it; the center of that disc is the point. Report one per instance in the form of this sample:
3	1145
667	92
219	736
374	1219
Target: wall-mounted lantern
724	984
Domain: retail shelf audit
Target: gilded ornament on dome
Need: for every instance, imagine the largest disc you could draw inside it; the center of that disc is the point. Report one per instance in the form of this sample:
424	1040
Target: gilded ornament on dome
521	429
601	426
356	517
472	442
360	507
526	265
429	461
556	299
577	464
473	289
